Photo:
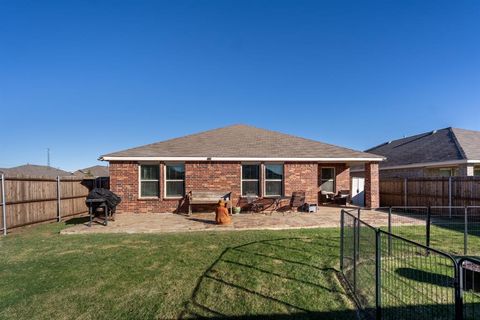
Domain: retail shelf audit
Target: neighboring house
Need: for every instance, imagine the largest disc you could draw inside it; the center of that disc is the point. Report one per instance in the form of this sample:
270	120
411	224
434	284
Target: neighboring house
439	153
35	170
239	158
94	177
93	172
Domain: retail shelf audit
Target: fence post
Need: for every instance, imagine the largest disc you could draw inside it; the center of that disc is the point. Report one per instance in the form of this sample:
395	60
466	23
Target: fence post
465	232
450	197
358	233
427	231
378	274
459	274
59	213
390	231
405	192
4	207
342	232
355	244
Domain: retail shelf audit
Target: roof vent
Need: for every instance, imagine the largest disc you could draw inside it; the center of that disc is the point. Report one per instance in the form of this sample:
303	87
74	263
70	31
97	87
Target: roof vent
434	131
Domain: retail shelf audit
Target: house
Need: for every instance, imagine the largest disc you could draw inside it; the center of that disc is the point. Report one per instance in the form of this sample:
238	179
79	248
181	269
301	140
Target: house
238	158
35	170
94	177
439	153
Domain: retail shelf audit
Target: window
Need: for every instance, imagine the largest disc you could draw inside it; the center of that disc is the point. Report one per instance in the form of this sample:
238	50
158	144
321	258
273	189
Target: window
446	172
273	179
250	177
327	179
149	180
174	180
476	172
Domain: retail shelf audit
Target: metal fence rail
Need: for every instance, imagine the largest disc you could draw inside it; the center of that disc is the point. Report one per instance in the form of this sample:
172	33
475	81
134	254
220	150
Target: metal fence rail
453	229
392	277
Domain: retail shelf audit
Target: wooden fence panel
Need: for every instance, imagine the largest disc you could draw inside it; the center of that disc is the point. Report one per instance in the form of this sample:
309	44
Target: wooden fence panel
438	191
31	200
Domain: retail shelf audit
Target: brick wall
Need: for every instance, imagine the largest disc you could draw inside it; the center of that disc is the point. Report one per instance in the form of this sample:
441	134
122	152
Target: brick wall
372	187
301	176
213	176
124	182
217	176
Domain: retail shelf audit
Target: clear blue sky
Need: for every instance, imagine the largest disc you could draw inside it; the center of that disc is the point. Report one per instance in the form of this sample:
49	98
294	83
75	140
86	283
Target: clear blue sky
86	78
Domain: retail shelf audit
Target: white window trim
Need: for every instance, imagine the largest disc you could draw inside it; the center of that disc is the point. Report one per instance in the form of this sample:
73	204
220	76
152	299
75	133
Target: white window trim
334	179
241	177
176	180
265	195
140	180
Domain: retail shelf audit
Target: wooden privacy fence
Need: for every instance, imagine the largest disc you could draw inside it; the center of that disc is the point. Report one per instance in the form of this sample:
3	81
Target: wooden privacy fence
30	200
438	191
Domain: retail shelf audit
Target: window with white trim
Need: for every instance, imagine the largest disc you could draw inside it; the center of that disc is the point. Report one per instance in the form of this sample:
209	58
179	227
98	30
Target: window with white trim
273	180
149	180
327	179
250	179
174	180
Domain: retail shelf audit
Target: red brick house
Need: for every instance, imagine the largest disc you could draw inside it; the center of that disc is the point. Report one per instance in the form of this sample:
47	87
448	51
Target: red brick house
239	158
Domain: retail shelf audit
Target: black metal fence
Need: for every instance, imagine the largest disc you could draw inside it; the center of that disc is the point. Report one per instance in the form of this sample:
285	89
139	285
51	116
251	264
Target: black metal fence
392	277
455	230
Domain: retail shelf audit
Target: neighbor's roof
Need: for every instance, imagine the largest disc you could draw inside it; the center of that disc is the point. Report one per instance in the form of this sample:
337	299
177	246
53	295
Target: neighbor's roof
444	145
241	142
93	172
35	170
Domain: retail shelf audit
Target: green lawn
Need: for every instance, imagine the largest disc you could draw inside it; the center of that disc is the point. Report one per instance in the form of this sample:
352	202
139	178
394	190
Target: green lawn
45	275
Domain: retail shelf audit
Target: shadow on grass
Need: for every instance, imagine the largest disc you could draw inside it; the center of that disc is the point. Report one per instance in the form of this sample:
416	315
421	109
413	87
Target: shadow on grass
77	220
268	279
425	277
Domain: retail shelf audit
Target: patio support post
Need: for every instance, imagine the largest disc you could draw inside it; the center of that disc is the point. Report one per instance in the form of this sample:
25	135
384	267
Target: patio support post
372	187
59	217
4	207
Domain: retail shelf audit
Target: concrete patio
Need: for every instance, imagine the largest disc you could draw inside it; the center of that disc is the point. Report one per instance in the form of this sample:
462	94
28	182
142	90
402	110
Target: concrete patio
326	217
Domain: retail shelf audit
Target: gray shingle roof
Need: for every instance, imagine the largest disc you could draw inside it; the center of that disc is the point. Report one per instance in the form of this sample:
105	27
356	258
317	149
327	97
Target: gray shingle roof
447	144
93	172
242	141
35	170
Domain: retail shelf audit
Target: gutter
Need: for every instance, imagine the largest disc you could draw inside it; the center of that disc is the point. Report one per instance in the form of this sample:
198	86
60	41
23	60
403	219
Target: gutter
426	164
113	158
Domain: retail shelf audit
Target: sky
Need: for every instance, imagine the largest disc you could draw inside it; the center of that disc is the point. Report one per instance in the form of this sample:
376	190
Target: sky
85	78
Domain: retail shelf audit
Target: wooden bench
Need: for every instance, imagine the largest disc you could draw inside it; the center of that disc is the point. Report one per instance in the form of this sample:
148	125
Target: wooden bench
208	197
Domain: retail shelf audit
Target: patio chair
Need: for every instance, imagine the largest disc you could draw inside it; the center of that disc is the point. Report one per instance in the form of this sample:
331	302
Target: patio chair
253	204
297	200
342	198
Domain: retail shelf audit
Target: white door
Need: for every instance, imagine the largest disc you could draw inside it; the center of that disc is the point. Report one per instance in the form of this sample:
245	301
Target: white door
358	191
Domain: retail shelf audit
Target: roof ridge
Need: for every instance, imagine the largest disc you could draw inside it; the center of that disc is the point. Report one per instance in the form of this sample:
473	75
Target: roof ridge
457	143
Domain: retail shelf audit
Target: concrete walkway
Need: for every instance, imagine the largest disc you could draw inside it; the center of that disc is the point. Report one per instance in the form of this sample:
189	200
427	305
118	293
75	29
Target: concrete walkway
326	217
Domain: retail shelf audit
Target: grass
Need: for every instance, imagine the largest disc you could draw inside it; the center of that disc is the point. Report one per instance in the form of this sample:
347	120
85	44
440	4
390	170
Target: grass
277	274
414	284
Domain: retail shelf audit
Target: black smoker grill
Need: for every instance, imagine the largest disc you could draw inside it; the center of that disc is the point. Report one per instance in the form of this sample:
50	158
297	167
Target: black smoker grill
104	199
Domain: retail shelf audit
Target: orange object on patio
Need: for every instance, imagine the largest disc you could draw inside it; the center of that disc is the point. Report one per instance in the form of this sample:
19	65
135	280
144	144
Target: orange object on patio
221	214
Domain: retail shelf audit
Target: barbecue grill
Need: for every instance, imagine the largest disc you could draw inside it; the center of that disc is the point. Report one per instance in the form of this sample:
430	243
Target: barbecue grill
104	199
